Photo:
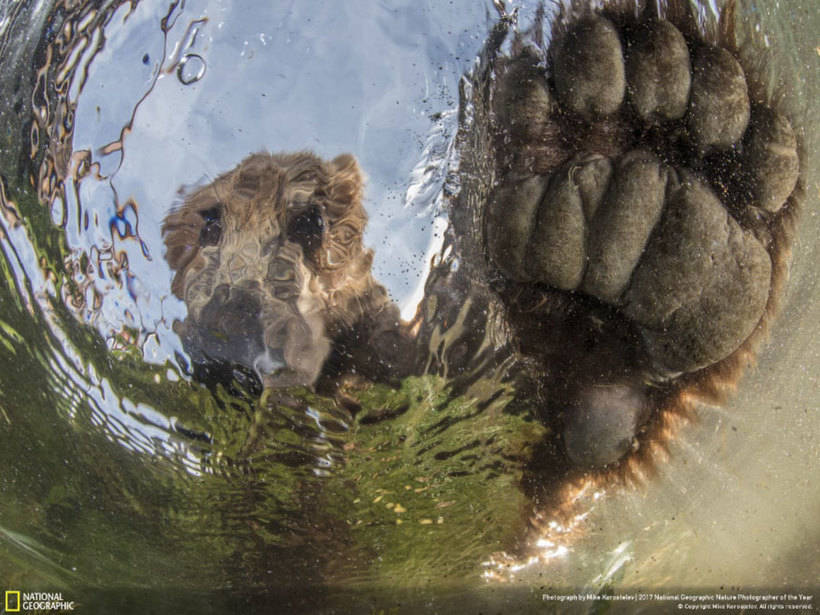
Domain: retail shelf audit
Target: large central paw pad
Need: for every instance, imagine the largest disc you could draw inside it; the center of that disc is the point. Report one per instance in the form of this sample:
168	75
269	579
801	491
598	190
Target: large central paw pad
636	172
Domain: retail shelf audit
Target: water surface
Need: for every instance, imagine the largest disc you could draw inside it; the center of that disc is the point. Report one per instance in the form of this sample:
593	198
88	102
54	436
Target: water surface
125	482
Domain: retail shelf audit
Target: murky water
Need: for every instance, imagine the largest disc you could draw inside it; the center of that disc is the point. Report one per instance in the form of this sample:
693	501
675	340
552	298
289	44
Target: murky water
126	485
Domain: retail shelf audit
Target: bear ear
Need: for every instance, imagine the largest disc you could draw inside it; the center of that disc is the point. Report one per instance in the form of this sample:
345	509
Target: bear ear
346	181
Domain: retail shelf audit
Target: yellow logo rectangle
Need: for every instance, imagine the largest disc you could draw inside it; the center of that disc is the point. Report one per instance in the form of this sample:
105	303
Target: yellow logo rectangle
12	601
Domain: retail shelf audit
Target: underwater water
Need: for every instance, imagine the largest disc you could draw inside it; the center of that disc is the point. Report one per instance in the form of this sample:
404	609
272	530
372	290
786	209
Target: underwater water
126	485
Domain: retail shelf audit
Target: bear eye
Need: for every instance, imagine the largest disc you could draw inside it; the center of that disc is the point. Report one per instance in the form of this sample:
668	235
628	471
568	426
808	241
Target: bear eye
307	229
212	228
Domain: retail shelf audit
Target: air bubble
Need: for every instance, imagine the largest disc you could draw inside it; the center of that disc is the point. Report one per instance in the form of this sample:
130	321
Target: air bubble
191	69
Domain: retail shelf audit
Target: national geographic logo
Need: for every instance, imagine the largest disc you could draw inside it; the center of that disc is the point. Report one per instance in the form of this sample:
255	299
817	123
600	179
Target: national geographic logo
12	602
20	602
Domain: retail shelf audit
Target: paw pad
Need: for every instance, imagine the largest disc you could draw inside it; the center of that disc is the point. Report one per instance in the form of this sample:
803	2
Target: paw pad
659	73
589	68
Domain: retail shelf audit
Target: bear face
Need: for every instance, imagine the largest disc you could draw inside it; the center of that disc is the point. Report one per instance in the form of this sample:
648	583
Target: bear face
269	260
